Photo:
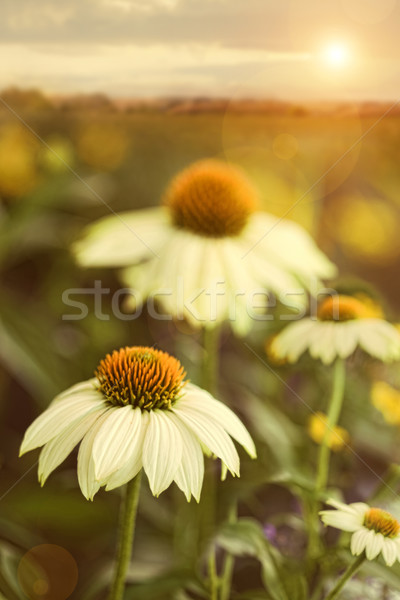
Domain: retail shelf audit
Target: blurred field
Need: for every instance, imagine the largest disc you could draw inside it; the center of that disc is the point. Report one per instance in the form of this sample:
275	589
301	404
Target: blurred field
332	168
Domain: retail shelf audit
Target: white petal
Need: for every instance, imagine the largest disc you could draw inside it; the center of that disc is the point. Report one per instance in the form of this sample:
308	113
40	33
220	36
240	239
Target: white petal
374	544
397	542
84	386
294	340
190	474
134	458
211	434
162	451
345	339
389	551
288	245
57	450
358	541
274	278
202	401
114	439
123	239
379	338
59	416
340	520
358	508
321	344
86	477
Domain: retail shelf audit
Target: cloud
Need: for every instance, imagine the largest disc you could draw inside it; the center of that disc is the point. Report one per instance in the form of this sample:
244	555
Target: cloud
145	47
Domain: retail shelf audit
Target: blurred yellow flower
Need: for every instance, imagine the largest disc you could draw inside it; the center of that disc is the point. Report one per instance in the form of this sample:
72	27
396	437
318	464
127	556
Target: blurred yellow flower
375	238
18	173
386	399
337	437
272	357
57	155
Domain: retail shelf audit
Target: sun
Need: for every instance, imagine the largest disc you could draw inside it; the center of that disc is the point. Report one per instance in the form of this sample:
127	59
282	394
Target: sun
337	54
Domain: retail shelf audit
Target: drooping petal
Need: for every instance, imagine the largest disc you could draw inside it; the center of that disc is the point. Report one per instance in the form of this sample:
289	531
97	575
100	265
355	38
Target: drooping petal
162	451
346	339
373	544
212	435
190	474
358	508
294	340
86	475
123	239
113	441
358	541
340	520
134	458
321	344
200	400
57	450
286	244
59	416
389	552
379	338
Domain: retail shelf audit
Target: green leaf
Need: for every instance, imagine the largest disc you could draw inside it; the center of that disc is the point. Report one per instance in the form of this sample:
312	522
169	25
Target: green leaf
246	537
27	352
272	426
9	560
163	587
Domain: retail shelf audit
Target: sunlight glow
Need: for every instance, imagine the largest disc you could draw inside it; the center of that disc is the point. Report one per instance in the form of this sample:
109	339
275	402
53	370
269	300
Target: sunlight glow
337	54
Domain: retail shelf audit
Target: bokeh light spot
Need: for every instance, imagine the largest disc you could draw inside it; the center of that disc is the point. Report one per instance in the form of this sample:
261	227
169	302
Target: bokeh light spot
285	146
47	572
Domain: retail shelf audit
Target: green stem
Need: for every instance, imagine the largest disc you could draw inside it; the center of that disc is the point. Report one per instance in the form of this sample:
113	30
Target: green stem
334	410
212	574
227	571
209	381
347	575
211	359
125	537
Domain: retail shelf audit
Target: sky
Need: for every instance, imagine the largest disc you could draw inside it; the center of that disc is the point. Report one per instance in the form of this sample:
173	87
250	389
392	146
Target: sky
280	49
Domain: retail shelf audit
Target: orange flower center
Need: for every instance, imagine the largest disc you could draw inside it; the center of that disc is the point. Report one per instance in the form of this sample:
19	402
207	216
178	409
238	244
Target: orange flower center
342	308
382	522
211	199
141	376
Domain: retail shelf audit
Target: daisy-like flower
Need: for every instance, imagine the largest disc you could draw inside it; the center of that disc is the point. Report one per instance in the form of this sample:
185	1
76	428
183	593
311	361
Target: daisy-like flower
374	530
386	399
137	412
337	438
343	323
206	250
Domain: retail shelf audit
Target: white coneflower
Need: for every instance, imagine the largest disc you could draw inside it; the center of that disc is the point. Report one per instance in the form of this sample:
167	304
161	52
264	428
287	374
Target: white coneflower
137	412
343	323
375	531
207	250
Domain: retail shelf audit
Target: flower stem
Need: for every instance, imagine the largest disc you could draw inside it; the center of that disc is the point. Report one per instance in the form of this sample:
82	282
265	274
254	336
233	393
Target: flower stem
334	410
347	575
211	359
212	574
227	571
210	378
125	537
